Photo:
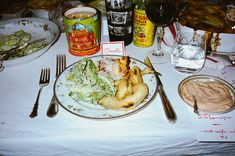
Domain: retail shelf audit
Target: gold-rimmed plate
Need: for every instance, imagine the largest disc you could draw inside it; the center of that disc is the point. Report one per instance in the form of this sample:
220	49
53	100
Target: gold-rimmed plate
213	95
95	111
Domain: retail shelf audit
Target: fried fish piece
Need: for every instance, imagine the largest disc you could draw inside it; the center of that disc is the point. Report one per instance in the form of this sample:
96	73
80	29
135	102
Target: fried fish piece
131	91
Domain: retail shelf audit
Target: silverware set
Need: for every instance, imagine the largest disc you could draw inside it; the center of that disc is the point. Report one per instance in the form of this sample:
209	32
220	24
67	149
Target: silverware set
61	66
44	81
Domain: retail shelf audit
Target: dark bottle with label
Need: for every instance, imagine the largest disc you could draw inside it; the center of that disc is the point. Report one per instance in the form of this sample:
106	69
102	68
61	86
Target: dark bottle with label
120	20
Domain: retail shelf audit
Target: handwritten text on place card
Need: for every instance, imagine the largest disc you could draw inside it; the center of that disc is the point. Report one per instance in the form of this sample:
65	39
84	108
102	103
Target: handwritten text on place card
113	48
217	128
222	133
210	117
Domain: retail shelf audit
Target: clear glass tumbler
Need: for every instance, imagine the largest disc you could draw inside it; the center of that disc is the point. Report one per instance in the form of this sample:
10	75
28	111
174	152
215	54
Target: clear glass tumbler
189	51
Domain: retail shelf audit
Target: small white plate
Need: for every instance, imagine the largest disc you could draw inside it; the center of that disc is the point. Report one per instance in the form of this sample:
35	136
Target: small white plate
38	28
95	111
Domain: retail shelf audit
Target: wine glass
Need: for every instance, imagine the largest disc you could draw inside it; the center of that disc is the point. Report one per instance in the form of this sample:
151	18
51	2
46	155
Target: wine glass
162	13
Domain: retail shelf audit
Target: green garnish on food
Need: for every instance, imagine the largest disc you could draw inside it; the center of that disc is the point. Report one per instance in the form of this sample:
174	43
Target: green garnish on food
18	39
85	84
20	43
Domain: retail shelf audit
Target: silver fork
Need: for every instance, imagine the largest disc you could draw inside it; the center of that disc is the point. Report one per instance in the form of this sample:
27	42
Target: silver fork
60	67
43	82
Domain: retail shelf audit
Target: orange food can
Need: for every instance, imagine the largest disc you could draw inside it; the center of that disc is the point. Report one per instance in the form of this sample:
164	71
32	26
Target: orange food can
82	27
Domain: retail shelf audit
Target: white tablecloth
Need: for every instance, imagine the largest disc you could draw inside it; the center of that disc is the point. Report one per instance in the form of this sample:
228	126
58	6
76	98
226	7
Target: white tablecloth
144	133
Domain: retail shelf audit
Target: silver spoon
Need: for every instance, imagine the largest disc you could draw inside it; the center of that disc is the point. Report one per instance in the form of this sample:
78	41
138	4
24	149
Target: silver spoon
195	107
6	55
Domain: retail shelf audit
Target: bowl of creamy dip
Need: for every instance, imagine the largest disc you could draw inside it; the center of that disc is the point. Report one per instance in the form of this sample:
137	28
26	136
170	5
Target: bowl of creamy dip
213	95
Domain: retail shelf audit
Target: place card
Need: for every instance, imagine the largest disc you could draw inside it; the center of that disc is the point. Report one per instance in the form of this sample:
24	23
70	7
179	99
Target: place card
113	48
215	128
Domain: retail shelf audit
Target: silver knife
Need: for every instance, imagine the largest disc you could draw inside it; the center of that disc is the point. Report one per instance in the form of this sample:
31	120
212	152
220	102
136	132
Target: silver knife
168	109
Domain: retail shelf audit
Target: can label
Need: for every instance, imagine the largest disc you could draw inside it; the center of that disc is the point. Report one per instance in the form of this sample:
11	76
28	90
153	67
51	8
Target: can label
144	29
83	35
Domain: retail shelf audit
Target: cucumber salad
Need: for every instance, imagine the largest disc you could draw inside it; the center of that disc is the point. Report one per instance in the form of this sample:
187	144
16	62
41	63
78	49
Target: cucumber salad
19	44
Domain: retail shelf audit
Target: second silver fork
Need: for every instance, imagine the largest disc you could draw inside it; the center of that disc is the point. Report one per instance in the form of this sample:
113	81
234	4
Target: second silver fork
60	66
43	82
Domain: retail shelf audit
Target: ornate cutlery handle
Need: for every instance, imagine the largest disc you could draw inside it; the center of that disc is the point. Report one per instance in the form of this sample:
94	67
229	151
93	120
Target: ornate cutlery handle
53	107
34	112
168	109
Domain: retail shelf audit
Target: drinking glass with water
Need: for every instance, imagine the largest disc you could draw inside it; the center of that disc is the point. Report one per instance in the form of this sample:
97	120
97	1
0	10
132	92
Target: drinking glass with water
188	55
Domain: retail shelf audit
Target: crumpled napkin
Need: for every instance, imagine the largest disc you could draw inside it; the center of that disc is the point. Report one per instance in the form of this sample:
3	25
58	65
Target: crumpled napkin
216	62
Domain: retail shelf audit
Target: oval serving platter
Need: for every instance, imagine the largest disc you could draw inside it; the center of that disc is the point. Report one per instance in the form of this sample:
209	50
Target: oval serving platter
38	29
95	111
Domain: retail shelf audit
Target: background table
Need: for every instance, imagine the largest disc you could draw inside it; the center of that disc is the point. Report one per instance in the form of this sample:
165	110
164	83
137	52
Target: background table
144	133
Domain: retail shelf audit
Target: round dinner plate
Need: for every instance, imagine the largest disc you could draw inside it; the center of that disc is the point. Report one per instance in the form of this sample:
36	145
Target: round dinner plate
95	111
207	91
38	29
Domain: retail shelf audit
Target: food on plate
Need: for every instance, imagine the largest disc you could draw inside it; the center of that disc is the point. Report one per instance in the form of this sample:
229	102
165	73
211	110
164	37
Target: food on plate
131	91
20	43
86	84
108	82
115	68
202	15
211	96
18	39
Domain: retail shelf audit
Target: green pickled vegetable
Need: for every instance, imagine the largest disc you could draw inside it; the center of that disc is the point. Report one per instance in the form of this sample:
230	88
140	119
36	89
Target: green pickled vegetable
85	84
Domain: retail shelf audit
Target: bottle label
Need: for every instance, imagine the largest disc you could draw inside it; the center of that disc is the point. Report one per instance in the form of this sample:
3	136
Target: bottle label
119	23
144	29
119	18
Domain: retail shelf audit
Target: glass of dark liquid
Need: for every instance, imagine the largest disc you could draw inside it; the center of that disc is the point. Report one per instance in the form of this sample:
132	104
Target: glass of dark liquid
162	13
